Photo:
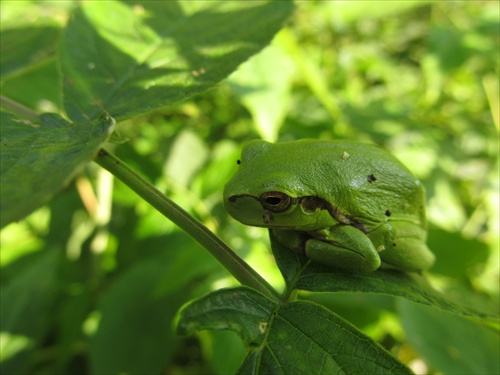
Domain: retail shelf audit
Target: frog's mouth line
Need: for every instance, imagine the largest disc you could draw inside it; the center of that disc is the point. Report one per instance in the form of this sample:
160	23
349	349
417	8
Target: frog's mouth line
308	204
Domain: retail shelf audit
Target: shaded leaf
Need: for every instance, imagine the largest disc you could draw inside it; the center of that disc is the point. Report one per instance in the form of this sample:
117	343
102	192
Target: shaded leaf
455	255
39	157
450	344
156	53
300	273
242	310
295	338
25	302
45	77
135	334
306	338
24	47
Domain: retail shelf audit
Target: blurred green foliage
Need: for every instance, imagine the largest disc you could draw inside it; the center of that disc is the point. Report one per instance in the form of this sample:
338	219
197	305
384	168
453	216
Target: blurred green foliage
93	280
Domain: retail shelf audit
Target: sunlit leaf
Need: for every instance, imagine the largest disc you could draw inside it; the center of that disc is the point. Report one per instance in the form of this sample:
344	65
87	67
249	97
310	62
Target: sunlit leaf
132	58
263	84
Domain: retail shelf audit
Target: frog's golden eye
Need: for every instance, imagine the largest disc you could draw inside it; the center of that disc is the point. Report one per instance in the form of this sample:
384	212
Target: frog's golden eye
275	201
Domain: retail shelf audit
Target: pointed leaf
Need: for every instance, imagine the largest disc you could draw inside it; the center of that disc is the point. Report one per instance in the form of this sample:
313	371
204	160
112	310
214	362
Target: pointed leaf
295	338
39	157
305	338
301	273
155	53
242	310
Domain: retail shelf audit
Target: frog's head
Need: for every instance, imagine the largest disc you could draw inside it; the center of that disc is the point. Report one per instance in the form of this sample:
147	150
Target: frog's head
267	191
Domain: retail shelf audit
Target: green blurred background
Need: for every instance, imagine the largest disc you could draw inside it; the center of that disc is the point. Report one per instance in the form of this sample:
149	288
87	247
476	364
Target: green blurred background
92	282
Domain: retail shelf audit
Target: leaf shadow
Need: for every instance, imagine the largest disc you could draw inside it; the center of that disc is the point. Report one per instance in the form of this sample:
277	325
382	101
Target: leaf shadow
207	46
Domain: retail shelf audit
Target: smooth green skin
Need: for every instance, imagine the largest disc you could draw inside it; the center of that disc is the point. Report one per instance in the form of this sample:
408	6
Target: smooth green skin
345	204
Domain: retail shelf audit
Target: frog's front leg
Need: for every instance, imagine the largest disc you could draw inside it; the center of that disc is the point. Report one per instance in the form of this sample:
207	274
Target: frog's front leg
341	246
345	247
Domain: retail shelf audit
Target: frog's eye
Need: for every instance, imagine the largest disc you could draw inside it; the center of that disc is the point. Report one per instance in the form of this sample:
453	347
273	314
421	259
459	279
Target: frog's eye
275	201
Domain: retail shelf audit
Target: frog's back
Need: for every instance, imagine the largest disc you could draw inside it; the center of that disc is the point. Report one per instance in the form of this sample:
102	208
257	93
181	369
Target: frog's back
361	180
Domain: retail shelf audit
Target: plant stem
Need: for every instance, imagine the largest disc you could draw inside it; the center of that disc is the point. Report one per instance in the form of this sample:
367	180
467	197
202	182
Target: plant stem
227	257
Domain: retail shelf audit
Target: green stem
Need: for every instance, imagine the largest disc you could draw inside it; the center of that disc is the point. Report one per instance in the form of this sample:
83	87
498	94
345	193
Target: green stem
219	250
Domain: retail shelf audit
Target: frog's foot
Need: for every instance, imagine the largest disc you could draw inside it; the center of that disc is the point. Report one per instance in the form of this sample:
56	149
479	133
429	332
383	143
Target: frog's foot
404	246
344	247
408	254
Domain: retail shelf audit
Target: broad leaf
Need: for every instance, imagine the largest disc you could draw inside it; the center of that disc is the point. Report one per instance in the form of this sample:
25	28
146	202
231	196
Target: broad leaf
133	58
451	344
295	338
135	335
242	310
25	304
23	48
301	273
39	157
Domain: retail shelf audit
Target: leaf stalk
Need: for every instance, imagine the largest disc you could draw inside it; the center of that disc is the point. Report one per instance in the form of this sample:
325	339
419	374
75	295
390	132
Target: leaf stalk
194	228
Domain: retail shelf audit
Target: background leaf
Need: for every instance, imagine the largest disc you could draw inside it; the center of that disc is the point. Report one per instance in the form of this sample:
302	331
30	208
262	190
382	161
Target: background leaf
263	84
135	337
32	151
451	344
26	300
133	59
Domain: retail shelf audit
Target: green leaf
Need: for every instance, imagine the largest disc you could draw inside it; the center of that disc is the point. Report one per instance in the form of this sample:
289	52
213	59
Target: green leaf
46	78
345	12
296	338
134	332
23	48
242	310
305	338
153	54
263	84
455	255
39	157
451	344
301	273
25	302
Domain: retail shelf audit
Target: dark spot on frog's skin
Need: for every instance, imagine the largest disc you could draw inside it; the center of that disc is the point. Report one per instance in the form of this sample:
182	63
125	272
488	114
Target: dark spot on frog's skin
267	217
371	178
238	162
387	213
394	244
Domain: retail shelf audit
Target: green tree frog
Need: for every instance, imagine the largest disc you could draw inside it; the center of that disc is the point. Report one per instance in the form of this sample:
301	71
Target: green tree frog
344	204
